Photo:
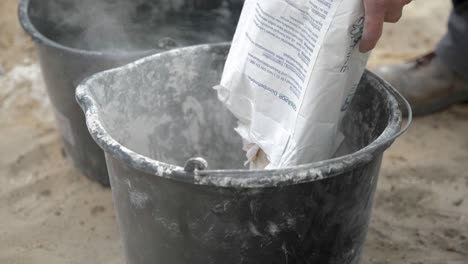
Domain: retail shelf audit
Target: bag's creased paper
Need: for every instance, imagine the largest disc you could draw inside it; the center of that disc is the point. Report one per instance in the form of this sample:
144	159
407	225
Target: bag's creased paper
290	75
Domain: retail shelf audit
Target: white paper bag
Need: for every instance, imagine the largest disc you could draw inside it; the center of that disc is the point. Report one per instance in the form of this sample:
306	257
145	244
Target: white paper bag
291	73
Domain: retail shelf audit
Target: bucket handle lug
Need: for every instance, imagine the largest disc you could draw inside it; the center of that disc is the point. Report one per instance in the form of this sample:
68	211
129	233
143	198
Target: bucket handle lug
195	164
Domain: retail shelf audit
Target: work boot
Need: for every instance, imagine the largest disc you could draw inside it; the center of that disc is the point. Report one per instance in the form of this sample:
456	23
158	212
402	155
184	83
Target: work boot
427	83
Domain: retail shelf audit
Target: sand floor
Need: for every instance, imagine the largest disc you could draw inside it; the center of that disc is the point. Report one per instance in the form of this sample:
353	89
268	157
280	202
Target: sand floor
49	213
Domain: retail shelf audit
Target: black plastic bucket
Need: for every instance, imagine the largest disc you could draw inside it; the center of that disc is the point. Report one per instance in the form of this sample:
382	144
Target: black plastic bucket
153	116
75	39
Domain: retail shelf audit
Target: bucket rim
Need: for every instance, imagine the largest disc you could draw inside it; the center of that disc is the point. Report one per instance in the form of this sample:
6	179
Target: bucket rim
39	38
241	178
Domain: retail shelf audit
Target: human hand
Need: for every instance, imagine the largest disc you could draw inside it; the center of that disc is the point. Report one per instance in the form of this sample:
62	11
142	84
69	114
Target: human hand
376	13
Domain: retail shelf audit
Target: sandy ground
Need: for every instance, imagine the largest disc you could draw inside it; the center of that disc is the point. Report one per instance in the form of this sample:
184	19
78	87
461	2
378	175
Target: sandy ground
51	214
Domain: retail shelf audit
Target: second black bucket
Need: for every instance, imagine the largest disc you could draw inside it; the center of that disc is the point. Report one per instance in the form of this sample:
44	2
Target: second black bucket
153	116
75	39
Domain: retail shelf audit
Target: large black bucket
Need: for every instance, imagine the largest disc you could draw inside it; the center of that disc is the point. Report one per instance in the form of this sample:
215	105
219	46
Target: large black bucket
75	39
153	116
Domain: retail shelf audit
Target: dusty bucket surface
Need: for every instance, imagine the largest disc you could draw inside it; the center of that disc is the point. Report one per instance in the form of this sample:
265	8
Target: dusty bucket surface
76	39
152	117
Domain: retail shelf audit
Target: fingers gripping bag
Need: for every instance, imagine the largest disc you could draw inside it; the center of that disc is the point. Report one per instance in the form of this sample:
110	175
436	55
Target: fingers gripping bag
291	72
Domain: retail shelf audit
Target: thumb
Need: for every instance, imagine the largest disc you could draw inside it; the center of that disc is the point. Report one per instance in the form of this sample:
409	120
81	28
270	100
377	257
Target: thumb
373	24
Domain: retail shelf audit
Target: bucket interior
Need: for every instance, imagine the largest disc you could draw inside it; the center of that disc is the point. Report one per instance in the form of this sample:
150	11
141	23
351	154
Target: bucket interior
103	25
165	108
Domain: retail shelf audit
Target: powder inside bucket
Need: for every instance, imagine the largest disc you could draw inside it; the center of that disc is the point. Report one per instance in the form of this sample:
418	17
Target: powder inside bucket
134	25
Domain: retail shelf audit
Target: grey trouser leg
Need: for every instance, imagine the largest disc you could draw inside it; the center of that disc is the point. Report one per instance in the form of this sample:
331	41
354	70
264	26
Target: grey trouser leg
453	48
